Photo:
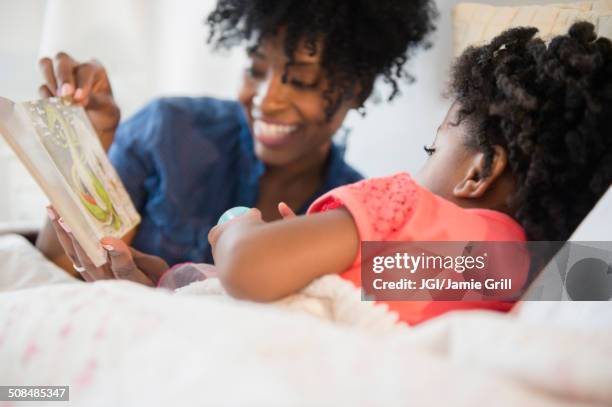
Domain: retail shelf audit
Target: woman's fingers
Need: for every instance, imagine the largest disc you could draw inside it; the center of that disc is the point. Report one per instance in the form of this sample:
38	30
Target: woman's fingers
96	273
285	211
71	247
122	263
46	67
91	77
45	92
64	67
63	234
152	266
87	277
58	74
66	77
88	85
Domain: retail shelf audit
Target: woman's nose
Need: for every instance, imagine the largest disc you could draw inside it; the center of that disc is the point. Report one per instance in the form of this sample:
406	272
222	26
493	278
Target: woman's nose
271	94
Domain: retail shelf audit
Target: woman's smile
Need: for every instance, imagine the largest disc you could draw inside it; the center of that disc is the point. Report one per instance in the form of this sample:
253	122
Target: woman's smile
273	134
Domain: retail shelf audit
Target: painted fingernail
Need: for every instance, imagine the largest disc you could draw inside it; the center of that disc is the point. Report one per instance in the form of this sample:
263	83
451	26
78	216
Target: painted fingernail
78	94
51	213
64	225
67	89
108	247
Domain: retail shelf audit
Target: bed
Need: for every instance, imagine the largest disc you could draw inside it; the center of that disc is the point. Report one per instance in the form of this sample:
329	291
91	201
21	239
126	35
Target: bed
116	343
122	344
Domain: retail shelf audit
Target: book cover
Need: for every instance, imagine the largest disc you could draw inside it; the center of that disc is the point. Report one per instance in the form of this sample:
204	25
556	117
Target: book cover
56	142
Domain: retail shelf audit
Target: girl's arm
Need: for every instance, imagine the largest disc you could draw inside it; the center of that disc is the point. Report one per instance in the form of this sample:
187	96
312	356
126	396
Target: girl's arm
266	261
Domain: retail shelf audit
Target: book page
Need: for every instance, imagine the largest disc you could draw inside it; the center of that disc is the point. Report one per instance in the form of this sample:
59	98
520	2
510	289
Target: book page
59	147
71	142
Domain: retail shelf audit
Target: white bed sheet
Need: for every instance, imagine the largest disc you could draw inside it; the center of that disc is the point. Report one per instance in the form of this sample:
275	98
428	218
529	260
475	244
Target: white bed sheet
121	344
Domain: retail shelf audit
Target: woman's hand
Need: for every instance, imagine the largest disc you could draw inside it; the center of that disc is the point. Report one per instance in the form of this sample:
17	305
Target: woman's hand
123	263
88	85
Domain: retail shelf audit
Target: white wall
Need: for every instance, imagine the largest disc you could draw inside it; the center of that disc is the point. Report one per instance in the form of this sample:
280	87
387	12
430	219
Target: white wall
391	137
155	47
20	29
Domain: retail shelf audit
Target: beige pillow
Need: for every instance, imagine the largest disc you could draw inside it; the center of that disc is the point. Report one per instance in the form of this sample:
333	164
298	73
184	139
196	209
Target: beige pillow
475	24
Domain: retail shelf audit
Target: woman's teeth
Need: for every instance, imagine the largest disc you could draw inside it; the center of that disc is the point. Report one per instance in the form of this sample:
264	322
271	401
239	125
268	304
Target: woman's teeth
270	130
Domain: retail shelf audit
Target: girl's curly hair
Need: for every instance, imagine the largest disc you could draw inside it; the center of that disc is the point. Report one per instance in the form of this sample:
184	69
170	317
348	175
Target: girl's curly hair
362	38
550	107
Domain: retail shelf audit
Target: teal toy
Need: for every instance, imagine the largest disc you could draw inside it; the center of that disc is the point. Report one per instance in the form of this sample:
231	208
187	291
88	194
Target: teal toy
232	213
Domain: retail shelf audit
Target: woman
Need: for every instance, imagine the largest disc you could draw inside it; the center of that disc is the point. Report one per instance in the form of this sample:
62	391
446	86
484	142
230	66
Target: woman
186	160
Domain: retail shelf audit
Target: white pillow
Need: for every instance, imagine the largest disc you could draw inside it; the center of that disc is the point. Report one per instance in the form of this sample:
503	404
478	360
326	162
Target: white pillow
475	24
23	266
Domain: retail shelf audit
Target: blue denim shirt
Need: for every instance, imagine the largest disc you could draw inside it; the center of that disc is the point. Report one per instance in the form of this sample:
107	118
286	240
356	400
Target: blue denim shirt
184	161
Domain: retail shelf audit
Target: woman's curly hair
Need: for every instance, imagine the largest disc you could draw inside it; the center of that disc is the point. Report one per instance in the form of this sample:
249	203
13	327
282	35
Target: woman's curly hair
362	38
550	107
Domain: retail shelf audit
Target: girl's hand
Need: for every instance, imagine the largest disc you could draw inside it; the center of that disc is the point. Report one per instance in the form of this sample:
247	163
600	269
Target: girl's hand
124	262
261	261
285	211
253	216
88	85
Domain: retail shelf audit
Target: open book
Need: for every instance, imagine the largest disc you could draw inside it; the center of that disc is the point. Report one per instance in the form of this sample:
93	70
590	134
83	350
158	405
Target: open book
60	148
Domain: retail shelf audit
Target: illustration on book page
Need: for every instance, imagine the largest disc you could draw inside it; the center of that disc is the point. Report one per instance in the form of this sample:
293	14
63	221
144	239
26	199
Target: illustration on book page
68	137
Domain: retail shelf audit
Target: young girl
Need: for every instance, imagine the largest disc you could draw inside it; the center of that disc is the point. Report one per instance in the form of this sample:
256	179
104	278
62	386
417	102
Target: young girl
524	153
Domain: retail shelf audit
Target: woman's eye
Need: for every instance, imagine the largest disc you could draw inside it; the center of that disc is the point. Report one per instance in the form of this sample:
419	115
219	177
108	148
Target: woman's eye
302	85
255	73
429	150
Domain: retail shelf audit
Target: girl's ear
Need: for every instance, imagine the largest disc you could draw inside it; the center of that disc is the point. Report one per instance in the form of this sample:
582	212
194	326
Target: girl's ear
477	181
